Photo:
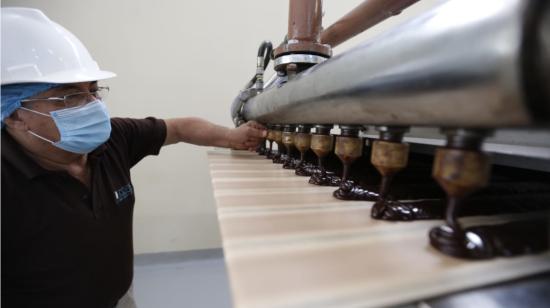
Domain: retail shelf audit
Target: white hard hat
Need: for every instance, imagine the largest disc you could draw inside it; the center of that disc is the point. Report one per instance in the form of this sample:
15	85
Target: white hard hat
36	49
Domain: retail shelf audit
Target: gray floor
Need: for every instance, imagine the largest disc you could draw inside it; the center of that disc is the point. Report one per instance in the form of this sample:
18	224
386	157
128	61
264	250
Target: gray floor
181	280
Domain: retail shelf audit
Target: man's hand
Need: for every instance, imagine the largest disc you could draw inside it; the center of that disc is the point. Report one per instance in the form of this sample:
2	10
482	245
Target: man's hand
247	136
201	132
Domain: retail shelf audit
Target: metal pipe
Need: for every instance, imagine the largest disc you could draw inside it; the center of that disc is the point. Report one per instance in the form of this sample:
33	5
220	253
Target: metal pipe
456	65
364	16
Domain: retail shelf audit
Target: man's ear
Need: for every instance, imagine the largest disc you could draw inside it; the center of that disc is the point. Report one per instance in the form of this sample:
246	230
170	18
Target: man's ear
15	122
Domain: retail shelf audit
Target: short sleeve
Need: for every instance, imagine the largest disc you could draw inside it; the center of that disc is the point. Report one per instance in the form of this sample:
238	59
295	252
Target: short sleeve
137	138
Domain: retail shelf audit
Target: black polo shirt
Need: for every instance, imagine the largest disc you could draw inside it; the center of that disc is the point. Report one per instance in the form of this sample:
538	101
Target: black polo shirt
64	245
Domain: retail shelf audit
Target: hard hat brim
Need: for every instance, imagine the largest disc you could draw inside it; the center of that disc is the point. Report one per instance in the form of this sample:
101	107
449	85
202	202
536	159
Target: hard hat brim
66	77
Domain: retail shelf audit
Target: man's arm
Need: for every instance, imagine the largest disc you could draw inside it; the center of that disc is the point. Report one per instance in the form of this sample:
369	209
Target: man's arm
201	132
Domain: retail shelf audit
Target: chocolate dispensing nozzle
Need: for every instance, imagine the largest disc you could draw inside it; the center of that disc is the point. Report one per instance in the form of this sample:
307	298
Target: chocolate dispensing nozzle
321	144
262	149
289	131
460	168
349	147
302	142
270	138
389	156
278	139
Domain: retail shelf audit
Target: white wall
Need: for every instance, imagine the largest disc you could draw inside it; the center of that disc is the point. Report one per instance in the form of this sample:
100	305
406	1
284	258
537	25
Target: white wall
175	59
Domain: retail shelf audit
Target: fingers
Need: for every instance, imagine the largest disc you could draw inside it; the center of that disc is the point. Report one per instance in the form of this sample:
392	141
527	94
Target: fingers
255	133
256	125
247	136
255	129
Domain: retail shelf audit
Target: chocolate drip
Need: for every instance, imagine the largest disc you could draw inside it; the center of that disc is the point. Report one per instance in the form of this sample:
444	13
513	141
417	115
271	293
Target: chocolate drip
348	190
385	186
306	169
324	179
291	160
344	182
290	163
278	158
484	242
408	210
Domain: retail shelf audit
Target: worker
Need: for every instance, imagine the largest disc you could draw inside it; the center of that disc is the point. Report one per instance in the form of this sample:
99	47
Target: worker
67	194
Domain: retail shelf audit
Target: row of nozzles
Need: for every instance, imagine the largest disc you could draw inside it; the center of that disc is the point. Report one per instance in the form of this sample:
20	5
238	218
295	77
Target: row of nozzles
460	168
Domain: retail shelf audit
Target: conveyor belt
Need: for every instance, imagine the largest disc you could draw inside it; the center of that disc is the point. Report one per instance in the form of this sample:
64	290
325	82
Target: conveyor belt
291	244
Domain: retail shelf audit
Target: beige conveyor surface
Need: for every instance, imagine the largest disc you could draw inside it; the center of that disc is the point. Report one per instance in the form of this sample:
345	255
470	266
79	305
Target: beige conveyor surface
291	244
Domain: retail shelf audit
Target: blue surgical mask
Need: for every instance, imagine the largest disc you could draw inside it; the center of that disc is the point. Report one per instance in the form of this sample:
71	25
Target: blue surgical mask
82	129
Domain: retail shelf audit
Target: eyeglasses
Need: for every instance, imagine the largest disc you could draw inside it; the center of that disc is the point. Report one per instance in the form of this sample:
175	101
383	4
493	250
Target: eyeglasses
75	99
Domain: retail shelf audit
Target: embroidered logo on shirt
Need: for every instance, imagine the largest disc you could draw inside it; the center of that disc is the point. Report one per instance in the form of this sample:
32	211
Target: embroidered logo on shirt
124	192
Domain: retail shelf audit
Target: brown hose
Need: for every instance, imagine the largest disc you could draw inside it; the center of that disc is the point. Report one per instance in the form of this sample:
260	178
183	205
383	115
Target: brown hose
364	16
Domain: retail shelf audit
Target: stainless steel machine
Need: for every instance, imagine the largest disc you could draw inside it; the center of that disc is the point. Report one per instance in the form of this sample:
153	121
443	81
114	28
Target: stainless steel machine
465	85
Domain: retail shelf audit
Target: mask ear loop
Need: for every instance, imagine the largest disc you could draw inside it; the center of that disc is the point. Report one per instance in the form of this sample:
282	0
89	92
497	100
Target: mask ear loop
40	137
33	133
34	111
